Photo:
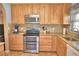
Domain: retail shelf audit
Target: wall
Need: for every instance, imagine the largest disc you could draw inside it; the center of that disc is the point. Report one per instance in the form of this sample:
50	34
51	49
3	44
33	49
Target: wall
52	28
8	12
7	20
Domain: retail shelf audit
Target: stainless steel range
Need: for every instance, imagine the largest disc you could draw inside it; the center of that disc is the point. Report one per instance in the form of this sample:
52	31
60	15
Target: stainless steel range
31	41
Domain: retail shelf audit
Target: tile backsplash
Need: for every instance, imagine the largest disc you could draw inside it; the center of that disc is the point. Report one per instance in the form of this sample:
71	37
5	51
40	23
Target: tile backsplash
52	28
49	28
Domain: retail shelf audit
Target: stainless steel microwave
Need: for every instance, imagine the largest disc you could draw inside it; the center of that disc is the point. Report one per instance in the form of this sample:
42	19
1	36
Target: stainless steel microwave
32	19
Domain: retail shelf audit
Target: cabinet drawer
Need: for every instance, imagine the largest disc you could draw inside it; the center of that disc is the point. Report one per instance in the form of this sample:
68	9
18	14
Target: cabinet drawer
45	40
46	43
16	47
45	48
14	43
47	36
1	48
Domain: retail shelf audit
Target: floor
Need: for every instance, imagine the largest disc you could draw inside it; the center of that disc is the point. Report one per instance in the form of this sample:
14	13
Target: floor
16	53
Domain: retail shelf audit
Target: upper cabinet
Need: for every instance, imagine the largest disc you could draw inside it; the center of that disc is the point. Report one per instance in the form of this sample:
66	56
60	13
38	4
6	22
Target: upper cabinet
66	13
57	14
17	14
42	14
1	17
35	8
45	14
49	13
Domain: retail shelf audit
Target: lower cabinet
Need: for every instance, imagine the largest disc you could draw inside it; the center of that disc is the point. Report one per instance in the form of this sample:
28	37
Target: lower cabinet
47	43
2	48
50	43
53	43
61	47
16	42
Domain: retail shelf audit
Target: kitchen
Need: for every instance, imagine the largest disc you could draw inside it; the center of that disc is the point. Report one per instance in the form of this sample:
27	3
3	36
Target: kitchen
41	30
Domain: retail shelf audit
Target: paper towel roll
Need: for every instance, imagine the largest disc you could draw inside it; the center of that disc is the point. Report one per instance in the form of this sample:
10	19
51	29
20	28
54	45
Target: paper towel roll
64	31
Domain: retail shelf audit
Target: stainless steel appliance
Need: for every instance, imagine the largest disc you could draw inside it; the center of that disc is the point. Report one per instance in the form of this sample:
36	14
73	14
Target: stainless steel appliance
2	33
31	41
32	19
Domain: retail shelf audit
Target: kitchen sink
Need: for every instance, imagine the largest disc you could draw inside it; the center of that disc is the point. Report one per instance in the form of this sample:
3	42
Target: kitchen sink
70	39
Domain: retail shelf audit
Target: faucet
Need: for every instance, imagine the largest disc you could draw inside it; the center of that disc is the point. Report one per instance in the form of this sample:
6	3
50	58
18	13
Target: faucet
75	29
76	34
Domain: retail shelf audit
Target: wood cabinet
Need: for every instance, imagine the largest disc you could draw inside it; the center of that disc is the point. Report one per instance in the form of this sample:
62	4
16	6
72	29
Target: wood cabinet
1	47
16	42
56	13
66	9
61	47
49	13
2	50
66	13
36	9
47	43
1	15
54	42
57	19
14	13
52	13
45	17
29	9
42	13
17	13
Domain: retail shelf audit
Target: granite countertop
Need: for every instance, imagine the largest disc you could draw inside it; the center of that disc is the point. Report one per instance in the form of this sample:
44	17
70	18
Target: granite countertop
1	43
73	44
49	34
16	33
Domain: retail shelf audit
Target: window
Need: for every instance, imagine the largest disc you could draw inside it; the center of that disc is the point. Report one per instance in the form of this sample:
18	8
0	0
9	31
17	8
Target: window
77	16
74	24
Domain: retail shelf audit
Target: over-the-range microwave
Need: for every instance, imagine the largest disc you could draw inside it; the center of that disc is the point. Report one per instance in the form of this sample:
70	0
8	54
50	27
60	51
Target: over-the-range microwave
32	19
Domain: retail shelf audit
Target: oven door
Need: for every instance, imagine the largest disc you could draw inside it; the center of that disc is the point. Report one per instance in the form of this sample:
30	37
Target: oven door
31	38
29	47
31	44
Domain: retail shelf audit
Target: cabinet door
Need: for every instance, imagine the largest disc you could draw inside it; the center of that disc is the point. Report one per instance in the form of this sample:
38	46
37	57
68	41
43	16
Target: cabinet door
66	13
13	9
2	48
21	12
45	43
45	48
16	42
47	14
36	9
42	14
30	9
51	14
1	15
61	47
54	42
57	14
66	9
17	14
